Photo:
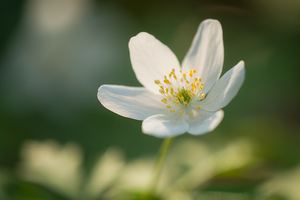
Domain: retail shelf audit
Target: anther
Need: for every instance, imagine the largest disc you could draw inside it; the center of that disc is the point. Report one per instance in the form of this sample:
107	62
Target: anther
167	81
198	107
169	106
191	113
202	96
172	91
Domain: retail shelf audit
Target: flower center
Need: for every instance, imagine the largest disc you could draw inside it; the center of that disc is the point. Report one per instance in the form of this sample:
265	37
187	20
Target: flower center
181	90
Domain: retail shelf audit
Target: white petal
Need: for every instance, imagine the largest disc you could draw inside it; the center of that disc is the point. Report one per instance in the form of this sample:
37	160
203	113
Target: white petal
151	60
225	89
206	54
202	122
132	102
164	126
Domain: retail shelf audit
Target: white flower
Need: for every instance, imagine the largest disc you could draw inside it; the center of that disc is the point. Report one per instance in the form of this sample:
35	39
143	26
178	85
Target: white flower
175	99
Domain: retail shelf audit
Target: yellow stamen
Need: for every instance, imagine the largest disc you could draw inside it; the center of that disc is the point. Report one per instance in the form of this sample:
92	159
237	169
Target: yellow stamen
172	91
167	82
202	96
184	93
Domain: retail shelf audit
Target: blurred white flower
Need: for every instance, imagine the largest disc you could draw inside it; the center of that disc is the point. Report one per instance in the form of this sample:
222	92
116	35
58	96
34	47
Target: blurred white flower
208	164
50	16
176	100
59	167
285	184
53	165
105	172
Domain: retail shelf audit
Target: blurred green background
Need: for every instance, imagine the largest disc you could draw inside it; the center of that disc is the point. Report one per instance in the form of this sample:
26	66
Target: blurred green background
55	55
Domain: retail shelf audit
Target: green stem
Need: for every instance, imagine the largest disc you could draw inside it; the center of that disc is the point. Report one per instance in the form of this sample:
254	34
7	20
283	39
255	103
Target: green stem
159	162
